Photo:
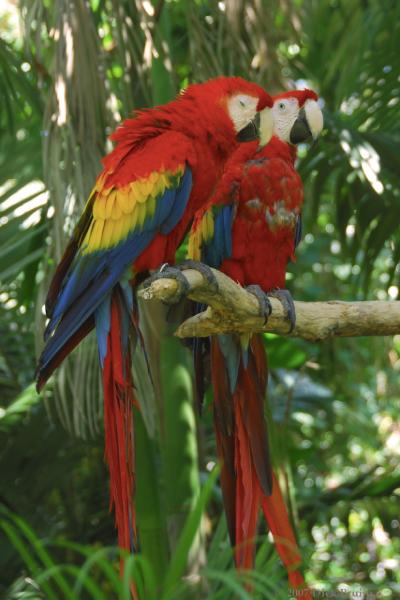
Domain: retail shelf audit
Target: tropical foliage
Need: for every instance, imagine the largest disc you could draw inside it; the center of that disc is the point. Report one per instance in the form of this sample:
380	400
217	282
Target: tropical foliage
69	71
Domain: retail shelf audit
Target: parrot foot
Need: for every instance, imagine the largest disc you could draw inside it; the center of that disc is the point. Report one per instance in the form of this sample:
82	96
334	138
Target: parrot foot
167	271
285	298
262	297
203	269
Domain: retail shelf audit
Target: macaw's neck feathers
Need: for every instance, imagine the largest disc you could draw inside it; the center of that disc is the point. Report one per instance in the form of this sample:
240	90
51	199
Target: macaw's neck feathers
278	149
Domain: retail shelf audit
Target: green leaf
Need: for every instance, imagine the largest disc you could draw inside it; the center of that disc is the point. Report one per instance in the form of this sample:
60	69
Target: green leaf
179	559
19	408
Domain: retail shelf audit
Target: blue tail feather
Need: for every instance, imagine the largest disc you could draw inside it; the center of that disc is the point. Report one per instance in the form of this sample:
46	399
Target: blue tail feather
232	352
102	317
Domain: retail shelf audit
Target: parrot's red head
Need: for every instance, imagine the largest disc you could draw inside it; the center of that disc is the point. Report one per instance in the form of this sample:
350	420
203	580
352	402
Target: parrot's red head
233	103
297	116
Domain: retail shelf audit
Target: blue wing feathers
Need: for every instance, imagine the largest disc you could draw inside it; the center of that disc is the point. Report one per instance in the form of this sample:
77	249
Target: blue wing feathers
228	220
92	277
179	205
101	270
164	206
81	307
219	247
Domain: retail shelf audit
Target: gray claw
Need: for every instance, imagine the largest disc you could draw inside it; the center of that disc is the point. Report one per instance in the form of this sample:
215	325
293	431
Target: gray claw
169	272
205	270
285	298
262	297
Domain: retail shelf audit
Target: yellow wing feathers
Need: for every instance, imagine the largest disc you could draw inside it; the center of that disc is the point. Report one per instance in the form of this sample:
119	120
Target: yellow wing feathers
117	211
208	226
202	232
194	246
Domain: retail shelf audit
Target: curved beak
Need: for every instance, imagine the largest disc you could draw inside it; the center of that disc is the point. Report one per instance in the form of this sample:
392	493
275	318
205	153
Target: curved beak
300	131
251	131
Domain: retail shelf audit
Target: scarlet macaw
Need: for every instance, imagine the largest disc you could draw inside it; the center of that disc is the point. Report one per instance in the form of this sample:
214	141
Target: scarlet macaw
249	230
164	166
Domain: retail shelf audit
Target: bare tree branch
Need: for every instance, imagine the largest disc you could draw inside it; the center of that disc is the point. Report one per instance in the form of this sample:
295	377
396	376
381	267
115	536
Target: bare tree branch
233	309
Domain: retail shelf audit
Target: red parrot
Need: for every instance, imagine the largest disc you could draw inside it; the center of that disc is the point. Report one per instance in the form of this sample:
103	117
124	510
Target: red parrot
249	230
164	166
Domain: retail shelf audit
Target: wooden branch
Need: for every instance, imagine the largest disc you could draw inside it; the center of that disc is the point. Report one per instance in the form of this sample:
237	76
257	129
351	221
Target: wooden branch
233	309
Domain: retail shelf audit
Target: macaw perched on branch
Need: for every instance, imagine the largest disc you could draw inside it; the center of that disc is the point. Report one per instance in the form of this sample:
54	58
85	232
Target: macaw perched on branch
163	168
249	231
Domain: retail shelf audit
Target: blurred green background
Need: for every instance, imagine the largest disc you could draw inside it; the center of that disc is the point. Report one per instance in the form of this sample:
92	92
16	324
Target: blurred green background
70	70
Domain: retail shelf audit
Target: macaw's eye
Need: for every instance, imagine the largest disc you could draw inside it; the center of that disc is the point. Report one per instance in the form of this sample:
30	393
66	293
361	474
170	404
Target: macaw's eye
242	100
282	106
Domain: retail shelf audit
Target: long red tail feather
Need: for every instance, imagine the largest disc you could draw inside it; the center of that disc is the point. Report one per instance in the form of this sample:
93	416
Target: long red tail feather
247	478
118	426
224	435
247	496
278	522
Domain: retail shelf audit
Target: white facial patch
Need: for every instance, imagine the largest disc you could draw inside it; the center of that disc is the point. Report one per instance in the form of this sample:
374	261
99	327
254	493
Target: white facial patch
284	112
242	109
314	117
